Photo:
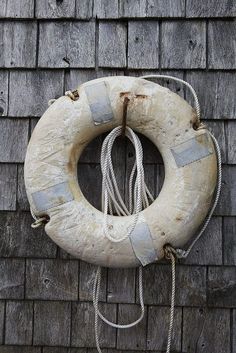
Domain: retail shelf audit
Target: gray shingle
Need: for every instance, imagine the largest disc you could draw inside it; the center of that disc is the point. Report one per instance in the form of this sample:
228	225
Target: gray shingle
17	9
227	201
121	285
52	279
234	332
90	181
55	8
112	44
13	139
222	45
183	44
21	49
18	239
42	85
106	9
52	323
2	319
150	8
8	181
83	316
158	325
84	8
19	349
3	92
217	128
229	231
206	330
86	280
67	44
22	200
222	287
231	141
19	322
210	240
190	285
143	44
216	92
134	337
12	278
210	8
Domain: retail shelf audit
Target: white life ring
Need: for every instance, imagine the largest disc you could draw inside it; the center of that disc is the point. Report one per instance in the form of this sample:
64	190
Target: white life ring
70	124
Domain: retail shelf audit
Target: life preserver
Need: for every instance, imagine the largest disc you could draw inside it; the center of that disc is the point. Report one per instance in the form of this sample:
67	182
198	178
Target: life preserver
69	125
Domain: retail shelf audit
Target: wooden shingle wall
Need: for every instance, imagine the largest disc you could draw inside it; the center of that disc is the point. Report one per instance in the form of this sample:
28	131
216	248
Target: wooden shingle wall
49	46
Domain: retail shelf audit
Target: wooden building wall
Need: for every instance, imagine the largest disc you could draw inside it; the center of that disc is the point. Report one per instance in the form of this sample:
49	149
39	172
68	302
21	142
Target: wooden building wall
48	46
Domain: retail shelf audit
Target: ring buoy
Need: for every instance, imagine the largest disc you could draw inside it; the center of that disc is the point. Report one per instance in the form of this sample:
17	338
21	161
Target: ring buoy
71	122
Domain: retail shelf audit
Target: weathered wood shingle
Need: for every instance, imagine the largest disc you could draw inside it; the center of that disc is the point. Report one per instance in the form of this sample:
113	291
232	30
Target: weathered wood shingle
222	44
112	44
229	240
52	279
222	286
19	322
17	9
143	44
3	92
42	85
183	45
206	330
55	8
14	139
210	8
8	182
12	274
20	49
52	323
67	44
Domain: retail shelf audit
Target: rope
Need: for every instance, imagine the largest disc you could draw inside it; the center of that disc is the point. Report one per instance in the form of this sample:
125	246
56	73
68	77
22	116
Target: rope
180	253
138	197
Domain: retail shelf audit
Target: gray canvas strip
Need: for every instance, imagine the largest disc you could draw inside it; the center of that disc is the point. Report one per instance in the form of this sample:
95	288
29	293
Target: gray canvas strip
51	197
99	102
192	150
142	244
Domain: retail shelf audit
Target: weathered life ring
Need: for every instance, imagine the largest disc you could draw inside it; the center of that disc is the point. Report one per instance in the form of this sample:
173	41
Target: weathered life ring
70	123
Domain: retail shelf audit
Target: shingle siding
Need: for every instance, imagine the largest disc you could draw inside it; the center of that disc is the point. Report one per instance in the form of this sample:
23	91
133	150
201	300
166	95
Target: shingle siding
48	47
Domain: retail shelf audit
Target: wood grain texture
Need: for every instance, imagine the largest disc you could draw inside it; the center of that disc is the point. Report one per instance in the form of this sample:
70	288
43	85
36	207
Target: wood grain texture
3	92
216	92
2	321
19	349
158	325
12	273
222	44
227	201
18	239
234	331
55	8
17	9
183	44
14	139
112	45
208	249
22	200
206	330
42	85
190	285
217	128
229	229
52	323
210	8
86	280
52	279
73	44
222	287
20	50
121	285
84	8
83	317
106	9
151	8
135	337
143	44
8	182
19	322
64	350
231	142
